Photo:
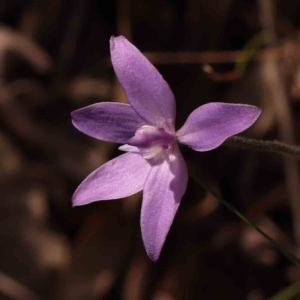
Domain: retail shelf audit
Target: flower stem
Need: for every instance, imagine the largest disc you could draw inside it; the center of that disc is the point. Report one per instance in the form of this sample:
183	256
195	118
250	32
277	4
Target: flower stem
288	293
263	146
288	254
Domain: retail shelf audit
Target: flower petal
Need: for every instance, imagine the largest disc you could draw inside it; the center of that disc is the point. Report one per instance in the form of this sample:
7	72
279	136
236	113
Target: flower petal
146	90
128	148
211	124
118	178
106	121
151	140
164	188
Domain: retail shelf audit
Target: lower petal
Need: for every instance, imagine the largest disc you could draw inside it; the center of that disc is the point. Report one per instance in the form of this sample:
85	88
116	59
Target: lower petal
163	190
118	178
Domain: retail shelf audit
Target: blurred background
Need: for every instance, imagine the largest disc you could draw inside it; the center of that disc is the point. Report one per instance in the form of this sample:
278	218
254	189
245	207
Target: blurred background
54	58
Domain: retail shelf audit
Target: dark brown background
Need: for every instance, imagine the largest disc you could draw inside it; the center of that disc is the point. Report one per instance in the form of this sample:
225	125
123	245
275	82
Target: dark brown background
54	58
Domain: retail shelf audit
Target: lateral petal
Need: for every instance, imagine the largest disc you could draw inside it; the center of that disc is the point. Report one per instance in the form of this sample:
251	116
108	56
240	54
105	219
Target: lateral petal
211	124
163	190
107	121
118	178
146	90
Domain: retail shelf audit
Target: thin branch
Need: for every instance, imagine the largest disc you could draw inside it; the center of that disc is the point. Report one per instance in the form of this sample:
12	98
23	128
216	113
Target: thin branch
275	91
73	33
11	40
123	19
217	57
294	259
263	146
14	289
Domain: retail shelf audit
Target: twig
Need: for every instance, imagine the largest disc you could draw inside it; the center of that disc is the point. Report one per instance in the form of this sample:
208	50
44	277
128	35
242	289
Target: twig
217	57
72	36
123	18
275	90
263	146
14	289
11	40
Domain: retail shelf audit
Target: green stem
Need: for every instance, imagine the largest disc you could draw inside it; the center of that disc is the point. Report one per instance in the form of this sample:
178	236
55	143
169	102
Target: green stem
288	254
287	293
249	50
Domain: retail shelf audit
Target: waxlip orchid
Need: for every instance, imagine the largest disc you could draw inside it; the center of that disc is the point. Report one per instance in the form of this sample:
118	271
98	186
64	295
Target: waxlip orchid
153	162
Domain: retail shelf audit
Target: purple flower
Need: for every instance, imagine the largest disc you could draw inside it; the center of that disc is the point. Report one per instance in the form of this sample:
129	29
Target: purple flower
153	162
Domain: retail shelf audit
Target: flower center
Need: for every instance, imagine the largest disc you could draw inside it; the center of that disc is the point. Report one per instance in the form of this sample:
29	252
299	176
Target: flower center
152	141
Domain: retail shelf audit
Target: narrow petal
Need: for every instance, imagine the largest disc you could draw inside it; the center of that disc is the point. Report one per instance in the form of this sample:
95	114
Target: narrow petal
106	121
164	188
146	90
118	178
211	124
128	148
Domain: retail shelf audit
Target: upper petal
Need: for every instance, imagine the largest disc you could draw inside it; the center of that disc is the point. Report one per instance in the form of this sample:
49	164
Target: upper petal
107	121
211	124
163	190
118	178
146	90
